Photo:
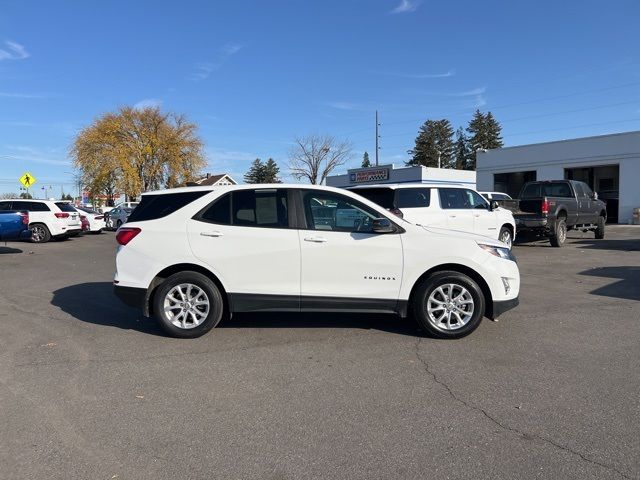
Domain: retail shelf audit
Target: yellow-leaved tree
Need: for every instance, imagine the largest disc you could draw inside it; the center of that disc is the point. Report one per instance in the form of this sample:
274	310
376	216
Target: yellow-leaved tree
135	150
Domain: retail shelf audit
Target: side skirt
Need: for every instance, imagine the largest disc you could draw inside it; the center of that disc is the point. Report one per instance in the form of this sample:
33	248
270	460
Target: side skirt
249	302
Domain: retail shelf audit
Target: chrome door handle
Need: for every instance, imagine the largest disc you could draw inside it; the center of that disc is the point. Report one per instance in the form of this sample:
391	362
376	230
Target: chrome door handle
315	239
211	234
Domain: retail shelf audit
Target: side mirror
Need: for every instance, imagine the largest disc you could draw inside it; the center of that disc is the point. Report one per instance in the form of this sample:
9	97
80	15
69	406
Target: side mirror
382	225
595	195
493	205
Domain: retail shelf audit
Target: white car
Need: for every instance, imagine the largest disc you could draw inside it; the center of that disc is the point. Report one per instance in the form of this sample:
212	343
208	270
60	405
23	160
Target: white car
95	219
191	256
495	196
451	206
47	218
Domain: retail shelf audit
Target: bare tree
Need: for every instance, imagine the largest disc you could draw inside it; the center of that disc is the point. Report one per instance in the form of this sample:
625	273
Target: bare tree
315	156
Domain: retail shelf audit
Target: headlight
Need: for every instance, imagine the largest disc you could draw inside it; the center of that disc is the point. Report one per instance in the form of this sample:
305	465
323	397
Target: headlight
498	251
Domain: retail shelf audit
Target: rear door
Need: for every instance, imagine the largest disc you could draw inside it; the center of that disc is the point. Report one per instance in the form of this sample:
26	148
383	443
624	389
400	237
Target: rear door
419	205
458	208
345	266
248	239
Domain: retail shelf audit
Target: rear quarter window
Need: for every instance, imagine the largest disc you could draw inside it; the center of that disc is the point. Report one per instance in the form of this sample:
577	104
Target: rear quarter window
153	207
65	207
413	197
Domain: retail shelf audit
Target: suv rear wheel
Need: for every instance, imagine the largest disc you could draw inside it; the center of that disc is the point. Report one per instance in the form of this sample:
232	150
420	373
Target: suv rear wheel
39	233
188	305
448	304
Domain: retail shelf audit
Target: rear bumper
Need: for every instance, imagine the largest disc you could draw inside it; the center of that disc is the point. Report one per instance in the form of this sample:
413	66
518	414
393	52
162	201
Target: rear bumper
25	234
132	296
546	224
501	306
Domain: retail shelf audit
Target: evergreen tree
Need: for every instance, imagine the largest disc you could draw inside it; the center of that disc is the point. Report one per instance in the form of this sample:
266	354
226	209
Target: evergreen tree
256	172
270	172
484	134
434	144
365	160
462	152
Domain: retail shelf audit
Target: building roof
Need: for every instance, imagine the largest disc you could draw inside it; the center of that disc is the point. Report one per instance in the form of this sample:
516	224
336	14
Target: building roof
213	180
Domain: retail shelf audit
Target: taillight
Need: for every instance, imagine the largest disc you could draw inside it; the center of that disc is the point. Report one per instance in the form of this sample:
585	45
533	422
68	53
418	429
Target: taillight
126	234
62	215
545	206
397	212
25	218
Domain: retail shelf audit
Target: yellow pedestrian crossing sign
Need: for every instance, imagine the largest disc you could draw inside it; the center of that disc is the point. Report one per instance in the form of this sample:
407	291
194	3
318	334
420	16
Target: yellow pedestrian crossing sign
27	179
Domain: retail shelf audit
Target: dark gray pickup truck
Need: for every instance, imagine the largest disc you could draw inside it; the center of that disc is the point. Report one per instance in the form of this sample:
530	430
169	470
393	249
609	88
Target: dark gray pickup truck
551	208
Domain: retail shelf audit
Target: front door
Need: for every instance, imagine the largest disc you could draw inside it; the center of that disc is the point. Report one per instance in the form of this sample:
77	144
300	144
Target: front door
345	266
246	239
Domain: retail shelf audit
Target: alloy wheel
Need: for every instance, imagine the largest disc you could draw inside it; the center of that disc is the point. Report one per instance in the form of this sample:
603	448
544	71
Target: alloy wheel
186	305
450	307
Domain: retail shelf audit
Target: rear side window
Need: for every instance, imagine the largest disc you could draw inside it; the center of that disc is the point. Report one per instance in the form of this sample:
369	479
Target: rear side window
379	196
153	207
413	197
31	206
249	208
65	207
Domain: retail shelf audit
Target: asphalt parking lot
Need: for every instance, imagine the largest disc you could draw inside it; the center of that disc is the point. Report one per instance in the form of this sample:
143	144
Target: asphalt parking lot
88	389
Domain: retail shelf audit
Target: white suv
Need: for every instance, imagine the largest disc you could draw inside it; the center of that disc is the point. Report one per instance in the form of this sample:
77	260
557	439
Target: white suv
47	218
452	206
190	256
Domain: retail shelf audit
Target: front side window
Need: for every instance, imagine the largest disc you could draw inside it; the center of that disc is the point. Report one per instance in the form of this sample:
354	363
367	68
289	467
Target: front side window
334	212
266	208
413	197
461	198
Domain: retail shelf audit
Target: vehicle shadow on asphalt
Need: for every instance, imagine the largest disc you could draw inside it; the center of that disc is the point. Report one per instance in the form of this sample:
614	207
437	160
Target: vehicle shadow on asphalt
95	303
7	250
383	322
627	245
627	286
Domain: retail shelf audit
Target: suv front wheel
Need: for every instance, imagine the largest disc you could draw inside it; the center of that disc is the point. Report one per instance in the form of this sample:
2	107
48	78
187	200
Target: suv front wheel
188	305
448	305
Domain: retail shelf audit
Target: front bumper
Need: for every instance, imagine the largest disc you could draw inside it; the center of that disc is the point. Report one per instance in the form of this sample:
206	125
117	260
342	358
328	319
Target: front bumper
501	306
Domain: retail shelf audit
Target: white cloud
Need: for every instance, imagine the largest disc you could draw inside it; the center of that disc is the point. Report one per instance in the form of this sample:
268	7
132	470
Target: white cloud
30	154
13	51
470	93
148	103
447	74
20	95
202	70
406	6
349	106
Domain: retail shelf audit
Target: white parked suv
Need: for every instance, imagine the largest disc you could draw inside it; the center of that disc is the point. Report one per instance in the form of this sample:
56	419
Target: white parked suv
47	218
451	206
190	256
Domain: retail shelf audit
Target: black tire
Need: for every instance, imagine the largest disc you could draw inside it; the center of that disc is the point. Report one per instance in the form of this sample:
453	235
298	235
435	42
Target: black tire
213	295
600	229
422	294
559	233
40	233
505	233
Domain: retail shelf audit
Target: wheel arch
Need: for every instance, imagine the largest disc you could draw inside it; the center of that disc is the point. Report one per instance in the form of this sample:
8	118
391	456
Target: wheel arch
161	276
470	272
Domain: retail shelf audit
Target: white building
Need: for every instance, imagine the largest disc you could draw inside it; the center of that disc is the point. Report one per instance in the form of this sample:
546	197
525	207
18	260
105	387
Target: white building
610	164
390	174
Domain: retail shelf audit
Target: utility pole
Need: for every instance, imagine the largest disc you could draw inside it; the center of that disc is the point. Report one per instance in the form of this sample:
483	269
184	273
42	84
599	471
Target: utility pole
377	137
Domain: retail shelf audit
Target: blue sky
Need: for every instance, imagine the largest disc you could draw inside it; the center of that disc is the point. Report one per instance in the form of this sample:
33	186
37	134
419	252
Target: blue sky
254	74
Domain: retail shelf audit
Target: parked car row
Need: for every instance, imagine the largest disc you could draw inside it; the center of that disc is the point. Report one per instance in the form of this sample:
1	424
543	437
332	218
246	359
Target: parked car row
49	219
